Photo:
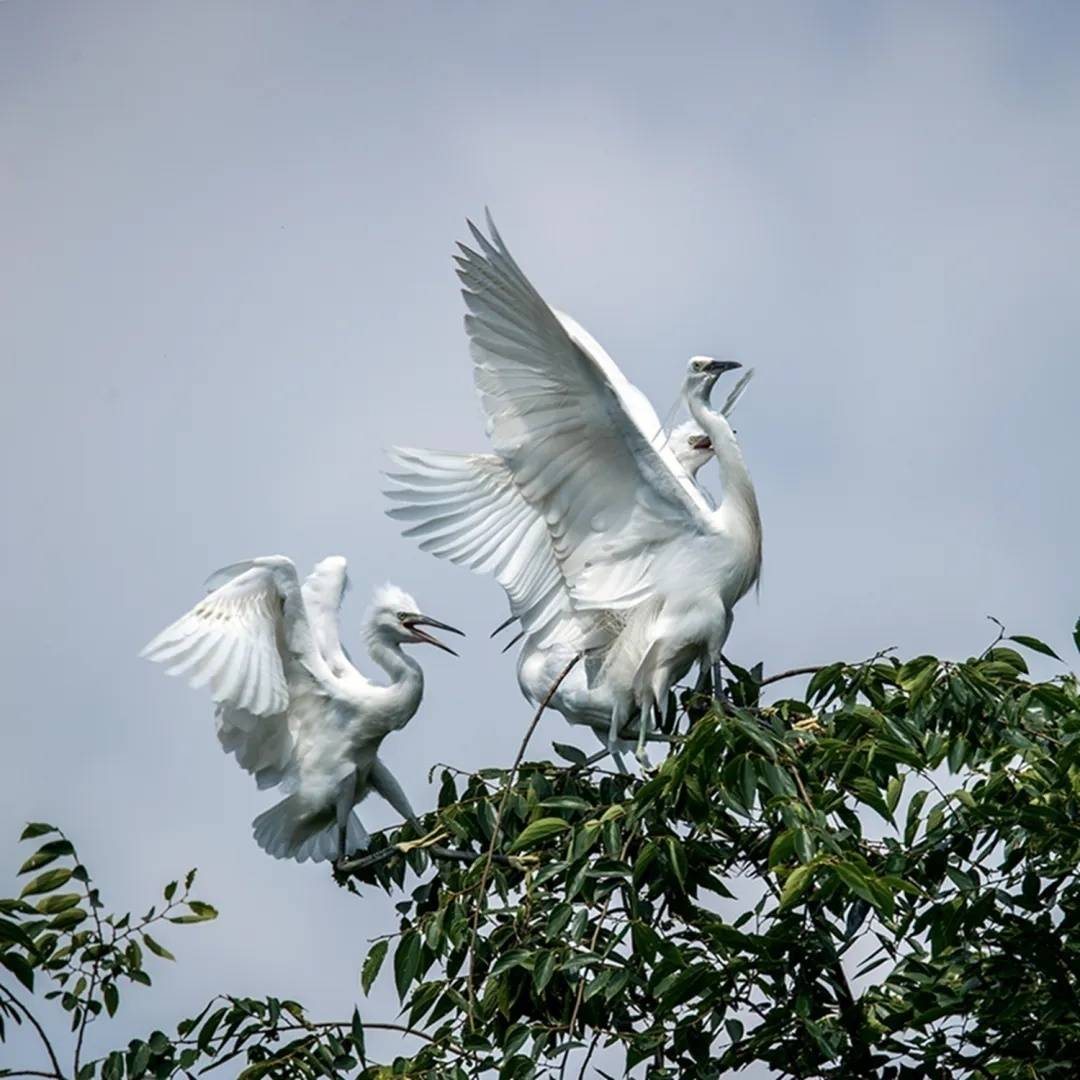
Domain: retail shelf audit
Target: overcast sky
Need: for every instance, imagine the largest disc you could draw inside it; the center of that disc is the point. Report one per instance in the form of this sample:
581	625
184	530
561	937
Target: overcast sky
226	285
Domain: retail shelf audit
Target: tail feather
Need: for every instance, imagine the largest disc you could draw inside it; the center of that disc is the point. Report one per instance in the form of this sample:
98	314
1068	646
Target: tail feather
289	831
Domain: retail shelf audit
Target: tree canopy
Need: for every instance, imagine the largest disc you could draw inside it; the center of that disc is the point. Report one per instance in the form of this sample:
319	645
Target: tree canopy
877	877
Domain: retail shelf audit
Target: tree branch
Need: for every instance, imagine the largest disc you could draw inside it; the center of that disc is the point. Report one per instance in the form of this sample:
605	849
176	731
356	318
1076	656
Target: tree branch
57	1072
791	673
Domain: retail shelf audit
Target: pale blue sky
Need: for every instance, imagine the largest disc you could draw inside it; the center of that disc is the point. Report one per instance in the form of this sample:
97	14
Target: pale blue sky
227	285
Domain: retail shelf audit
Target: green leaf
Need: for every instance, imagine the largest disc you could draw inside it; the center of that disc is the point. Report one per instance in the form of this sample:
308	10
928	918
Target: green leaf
155	948
37	861
796	883
140	1058
570	753
557	920
1035	645
406	962
357	1033
114	1066
15	935
566	802
209	1028
911	825
67	919
53	905
372	964
866	791
111	997
51	879
19	967
676	857
537	831
1076	635
893	792
856	881
543	970
36	828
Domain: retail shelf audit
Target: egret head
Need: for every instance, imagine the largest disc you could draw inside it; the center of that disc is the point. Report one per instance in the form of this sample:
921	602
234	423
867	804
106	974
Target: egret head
692	446
395	616
703	371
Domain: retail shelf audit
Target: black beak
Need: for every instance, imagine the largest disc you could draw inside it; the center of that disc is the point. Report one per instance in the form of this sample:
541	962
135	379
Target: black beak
718	367
413	622
503	625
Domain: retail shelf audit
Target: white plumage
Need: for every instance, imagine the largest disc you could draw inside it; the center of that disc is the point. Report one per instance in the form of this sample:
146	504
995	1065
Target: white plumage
592	524
292	707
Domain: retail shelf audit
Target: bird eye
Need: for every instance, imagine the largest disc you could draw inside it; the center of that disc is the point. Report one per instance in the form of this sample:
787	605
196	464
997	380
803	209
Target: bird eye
402	616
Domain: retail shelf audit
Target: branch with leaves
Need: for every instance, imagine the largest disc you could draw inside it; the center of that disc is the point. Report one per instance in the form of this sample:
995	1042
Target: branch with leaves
878	877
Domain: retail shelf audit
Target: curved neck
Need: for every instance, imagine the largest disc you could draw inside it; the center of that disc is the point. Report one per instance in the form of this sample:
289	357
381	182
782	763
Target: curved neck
738	488
406	676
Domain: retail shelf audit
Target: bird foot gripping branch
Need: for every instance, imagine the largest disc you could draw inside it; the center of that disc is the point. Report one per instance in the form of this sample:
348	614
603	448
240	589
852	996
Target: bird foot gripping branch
426	841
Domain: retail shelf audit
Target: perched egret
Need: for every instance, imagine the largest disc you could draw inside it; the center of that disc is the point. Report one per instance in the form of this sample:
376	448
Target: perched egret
448	509
591	513
291	706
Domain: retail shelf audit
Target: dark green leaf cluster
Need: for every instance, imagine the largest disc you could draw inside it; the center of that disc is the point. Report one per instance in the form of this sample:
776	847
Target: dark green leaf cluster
878	879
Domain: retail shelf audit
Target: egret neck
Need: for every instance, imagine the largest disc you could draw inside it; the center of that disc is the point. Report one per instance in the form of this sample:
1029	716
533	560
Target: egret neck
406	685
737	515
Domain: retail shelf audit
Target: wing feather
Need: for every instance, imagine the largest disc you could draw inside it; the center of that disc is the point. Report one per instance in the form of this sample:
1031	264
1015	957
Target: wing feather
466	508
575	434
230	640
322	592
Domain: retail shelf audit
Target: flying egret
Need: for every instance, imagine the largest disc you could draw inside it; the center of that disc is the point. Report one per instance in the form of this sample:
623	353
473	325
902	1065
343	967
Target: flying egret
628	529
291	705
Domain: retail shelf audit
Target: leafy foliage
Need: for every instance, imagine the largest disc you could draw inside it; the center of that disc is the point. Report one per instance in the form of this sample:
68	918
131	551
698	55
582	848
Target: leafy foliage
55	931
877	878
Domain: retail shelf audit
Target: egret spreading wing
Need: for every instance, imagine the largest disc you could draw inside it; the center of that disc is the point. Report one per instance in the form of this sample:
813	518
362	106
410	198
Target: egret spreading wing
574	433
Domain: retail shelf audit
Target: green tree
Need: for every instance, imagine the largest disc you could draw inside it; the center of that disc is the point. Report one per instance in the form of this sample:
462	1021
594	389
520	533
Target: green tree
876	878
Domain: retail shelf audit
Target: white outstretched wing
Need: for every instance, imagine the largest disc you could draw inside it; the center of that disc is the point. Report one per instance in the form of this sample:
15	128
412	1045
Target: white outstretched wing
575	434
231	640
466	508
322	592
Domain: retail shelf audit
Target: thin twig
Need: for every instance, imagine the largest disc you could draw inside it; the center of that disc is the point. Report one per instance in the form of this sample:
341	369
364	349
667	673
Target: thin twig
813	670
94	903
498	826
335	1025
588	1056
41	1033
579	997
453	854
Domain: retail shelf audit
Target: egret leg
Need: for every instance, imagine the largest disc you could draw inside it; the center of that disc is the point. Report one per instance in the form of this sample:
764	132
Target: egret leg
619	716
704	684
718	679
643	732
344	809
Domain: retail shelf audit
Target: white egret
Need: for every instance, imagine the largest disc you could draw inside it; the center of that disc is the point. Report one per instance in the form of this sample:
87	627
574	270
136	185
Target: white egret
627	530
449	510
292	706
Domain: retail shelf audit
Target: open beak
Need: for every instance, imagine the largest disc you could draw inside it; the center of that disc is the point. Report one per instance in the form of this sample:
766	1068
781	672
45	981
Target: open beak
718	367
700	442
414	622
